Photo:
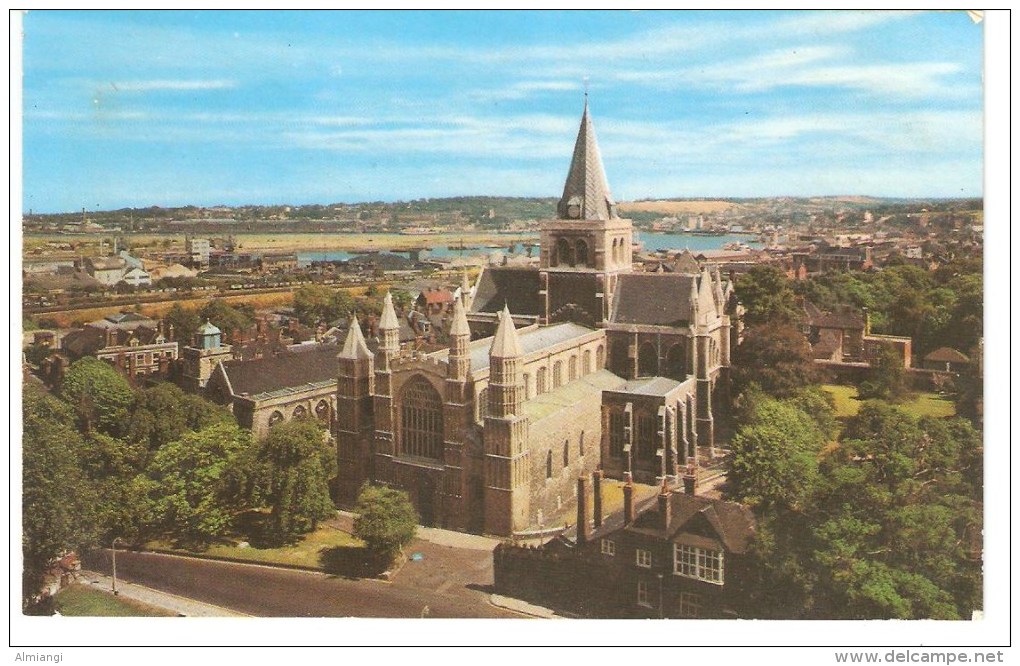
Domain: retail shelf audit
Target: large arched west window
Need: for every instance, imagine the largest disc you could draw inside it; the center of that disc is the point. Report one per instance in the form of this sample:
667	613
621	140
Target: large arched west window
648	360
421	420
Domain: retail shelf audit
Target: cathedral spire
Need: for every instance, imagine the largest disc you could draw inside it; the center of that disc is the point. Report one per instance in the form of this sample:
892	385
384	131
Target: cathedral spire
505	343
389	315
354	344
586	193
460	322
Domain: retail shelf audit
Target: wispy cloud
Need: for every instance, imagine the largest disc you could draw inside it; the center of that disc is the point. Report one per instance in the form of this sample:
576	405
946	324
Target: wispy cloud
523	89
171	85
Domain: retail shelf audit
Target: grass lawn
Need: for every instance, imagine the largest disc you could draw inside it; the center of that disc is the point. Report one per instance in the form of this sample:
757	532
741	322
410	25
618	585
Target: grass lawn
305	552
922	404
80	600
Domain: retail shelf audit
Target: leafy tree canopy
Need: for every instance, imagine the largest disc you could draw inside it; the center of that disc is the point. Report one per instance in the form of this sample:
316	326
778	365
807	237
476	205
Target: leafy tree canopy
298	464
162	413
767	296
186	487
386	519
777	358
99	395
57	500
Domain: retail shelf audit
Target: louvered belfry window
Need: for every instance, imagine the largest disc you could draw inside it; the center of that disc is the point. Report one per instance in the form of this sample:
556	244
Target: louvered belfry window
421	420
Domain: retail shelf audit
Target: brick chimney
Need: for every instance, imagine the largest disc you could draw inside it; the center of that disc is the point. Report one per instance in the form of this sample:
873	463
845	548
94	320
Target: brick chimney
596	482
628	499
665	505
691	479
583	526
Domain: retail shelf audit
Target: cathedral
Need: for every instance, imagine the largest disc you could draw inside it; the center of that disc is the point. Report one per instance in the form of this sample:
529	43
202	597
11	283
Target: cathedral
553	371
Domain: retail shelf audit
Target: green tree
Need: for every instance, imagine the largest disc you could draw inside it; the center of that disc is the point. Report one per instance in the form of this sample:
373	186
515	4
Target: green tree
57	499
228	317
767	296
312	303
386	520
185	323
186	483
774	460
299	464
162	413
776	358
888	379
99	395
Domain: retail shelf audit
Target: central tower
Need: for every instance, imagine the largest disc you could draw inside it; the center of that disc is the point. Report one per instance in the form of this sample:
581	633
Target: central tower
587	237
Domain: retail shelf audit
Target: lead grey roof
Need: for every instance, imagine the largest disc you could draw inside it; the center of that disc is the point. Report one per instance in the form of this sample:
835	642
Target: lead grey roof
289	370
586	184
516	288
530	341
649	386
654	299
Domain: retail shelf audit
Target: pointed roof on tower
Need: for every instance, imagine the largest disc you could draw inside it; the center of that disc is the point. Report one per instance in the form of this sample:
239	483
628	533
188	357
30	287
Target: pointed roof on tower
505	343
354	344
586	193
460	322
388	321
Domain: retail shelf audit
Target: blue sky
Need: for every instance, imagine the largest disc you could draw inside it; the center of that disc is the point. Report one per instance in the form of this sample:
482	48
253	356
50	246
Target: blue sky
175	108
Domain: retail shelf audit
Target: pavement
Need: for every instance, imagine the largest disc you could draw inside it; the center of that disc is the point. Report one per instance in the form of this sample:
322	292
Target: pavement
182	606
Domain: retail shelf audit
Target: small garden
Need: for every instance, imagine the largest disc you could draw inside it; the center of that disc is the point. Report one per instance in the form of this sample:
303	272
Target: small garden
80	600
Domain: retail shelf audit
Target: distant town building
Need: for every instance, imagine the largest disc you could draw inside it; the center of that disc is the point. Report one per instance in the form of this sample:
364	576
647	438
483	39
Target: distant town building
106	270
198	250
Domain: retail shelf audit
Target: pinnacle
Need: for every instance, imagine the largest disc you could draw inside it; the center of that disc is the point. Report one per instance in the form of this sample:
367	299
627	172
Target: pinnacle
354	344
505	343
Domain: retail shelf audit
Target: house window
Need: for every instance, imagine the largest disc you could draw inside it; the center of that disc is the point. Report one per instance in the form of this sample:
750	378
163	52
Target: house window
642	593
586	367
689	605
698	563
643	558
540	381
608	547
566	453
557	374
572	368
580	445
548	465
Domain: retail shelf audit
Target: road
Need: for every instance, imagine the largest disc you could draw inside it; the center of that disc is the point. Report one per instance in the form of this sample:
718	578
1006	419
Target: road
451	582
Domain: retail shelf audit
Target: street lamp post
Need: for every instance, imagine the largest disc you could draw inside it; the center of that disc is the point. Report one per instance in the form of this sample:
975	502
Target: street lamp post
659	576
114	544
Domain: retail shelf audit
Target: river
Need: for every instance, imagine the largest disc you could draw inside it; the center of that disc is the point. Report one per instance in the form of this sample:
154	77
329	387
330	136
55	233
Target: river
651	242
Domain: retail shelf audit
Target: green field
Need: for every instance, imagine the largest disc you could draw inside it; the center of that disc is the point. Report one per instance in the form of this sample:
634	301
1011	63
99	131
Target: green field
305	552
921	404
83	601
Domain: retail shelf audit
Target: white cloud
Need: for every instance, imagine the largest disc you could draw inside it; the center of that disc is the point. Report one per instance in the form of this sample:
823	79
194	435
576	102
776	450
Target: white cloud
172	85
523	89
